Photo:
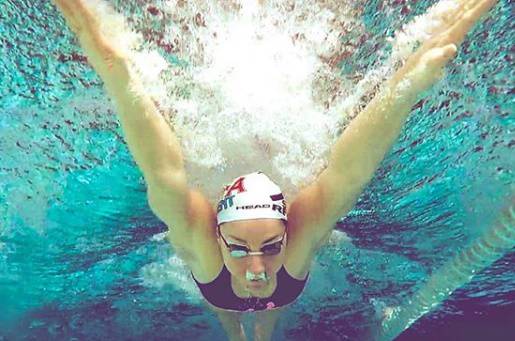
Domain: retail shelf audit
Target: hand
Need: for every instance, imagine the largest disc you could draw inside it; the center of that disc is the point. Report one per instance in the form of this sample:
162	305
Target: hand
78	17
425	66
104	58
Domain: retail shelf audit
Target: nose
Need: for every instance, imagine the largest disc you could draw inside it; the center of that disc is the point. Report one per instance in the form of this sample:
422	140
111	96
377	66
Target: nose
256	265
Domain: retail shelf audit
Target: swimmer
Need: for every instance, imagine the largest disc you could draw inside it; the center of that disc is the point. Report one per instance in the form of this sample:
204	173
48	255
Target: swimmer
252	251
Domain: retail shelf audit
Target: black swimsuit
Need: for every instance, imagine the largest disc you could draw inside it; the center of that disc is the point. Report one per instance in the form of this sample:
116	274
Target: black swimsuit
219	292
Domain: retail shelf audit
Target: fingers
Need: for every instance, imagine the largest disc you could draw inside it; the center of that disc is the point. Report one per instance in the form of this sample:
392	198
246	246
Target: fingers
456	34
436	58
467	14
101	52
449	16
445	54
431	62
430	68
437	51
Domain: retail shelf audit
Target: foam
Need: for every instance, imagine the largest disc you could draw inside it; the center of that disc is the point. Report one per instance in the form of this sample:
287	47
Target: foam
259	89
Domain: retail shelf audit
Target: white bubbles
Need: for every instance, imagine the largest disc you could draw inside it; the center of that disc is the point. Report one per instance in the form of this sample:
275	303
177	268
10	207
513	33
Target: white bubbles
257	86
254	105
170	271
114	26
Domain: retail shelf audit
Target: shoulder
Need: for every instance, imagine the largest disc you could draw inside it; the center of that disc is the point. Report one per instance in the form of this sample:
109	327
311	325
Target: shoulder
299	253
308	230
318	207
193	236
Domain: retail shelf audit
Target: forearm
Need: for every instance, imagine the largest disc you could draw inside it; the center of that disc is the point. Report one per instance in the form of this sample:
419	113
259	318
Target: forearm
364	143
150	139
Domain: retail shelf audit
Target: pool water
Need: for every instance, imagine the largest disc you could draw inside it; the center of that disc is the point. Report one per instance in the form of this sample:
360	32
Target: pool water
83	257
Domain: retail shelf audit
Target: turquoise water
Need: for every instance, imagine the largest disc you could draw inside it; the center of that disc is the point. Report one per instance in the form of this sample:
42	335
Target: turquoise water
79	256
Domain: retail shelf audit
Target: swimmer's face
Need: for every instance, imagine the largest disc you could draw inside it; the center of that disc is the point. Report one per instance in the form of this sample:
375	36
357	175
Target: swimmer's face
255	235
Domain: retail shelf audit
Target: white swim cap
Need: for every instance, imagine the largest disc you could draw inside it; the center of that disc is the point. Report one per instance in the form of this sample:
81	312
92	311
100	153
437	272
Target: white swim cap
251	196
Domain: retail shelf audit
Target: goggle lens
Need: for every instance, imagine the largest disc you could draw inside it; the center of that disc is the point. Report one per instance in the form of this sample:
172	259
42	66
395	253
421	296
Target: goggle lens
239	251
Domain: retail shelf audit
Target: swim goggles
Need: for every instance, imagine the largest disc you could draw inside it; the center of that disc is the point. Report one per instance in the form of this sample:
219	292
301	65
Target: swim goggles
240	251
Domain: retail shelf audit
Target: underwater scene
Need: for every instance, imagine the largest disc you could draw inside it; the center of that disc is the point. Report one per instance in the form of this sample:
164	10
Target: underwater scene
427	253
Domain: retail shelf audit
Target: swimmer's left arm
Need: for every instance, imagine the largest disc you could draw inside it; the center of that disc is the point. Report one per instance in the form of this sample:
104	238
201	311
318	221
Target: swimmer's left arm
364	143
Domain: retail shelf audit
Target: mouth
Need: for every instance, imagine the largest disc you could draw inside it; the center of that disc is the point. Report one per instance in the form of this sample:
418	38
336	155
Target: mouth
256	284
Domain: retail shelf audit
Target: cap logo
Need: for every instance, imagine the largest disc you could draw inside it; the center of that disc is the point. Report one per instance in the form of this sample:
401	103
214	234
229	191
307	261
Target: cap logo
225	203
280	209
251	207
277	197
236	186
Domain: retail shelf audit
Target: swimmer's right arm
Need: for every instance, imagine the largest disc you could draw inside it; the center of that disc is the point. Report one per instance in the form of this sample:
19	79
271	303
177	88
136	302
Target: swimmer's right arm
150	139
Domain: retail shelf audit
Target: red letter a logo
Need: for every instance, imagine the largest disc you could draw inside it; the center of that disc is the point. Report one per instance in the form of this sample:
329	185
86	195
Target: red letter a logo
236	186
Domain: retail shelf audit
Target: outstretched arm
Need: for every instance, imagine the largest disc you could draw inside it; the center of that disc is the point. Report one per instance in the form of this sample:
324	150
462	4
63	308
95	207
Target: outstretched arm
151	140
364	143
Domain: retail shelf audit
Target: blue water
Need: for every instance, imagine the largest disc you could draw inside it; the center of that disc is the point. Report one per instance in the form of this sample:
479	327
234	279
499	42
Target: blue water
76	234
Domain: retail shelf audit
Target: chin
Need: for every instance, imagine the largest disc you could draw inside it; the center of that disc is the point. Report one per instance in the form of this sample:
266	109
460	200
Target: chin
258	286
